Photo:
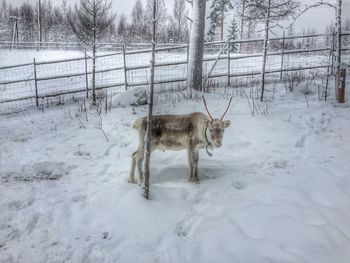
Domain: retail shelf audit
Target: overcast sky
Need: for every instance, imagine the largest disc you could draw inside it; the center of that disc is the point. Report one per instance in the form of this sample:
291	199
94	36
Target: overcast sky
316	18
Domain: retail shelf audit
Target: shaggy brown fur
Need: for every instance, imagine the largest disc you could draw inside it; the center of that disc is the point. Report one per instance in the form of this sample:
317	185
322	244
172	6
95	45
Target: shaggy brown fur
178	132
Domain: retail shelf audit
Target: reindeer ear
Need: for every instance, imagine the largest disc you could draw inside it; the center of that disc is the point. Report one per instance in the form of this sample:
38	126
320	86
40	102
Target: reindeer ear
227	124
206	123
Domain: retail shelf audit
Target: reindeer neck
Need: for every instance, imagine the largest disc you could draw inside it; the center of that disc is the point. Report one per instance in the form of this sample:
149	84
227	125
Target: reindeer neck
207	141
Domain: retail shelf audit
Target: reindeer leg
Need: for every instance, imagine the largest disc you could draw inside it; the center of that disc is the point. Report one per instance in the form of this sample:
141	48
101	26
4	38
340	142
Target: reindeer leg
132	169
193	160
195	165
139	166
189	153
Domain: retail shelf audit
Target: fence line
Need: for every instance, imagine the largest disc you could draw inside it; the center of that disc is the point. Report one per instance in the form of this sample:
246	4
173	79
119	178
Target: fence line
126	72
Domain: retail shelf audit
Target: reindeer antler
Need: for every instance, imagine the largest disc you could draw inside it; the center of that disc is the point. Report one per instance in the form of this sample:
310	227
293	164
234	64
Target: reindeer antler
205	104
226	108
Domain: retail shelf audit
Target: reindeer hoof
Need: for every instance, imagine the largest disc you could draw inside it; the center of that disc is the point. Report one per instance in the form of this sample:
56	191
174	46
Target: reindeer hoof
194	180
131	181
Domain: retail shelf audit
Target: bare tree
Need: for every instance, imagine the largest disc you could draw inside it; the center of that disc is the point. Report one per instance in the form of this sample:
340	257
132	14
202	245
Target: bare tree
195	63
92	23
150	106
271	12
138	20
161	17
40	22
180	16
121	28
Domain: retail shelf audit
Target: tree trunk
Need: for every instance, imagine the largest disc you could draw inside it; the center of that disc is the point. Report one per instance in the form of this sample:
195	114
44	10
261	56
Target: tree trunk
338	75
266	37
242	26
150	108
222	24
194	74
94	59
39	24
94	74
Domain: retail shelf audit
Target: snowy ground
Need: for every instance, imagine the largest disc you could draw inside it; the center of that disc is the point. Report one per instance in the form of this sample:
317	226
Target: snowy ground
277	191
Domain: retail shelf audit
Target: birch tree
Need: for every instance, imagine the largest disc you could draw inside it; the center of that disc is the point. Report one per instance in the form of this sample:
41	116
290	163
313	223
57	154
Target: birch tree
91	25
180	17
138	20
194	77
150	106
161	17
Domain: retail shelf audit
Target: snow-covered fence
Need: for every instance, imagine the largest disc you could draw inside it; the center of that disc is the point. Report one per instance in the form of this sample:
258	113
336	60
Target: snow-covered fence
44	82
108	46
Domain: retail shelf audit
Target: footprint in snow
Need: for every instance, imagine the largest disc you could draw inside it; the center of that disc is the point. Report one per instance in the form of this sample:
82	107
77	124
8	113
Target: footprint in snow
239	185
300	143
187	226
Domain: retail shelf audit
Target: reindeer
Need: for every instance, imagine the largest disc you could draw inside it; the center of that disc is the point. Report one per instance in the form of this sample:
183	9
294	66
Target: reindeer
189	132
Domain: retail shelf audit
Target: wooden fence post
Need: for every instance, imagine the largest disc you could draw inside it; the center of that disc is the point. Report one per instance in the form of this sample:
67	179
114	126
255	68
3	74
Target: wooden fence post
86	77
228	63
125	69
187	55
36	85
282	57
341	76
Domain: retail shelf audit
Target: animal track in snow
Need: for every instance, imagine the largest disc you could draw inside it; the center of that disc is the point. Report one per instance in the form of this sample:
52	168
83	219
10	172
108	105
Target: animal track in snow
187	226
38	171
239	185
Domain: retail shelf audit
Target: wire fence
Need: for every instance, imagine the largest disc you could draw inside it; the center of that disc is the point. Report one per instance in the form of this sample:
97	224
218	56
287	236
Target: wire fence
231	64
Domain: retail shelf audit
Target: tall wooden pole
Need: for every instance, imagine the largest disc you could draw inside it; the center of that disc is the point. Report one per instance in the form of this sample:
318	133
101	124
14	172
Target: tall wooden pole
264	57
150	108
40	37
242	24
282	57
340	73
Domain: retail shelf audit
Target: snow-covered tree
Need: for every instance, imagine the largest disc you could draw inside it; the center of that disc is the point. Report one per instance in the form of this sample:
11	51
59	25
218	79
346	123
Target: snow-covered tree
121	27
271	12
180	17
26	15
91	26
233	34
161	20
138	25
218	11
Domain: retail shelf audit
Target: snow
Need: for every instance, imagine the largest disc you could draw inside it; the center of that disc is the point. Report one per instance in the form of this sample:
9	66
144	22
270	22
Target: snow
277	191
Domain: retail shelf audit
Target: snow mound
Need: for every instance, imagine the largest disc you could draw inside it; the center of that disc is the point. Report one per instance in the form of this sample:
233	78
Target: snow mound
134	97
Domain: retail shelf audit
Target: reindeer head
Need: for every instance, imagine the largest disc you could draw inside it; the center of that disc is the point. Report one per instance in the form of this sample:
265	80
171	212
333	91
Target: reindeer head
216	127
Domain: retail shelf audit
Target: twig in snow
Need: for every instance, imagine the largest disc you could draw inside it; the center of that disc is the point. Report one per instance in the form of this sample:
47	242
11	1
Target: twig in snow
307	102
99	127
82	124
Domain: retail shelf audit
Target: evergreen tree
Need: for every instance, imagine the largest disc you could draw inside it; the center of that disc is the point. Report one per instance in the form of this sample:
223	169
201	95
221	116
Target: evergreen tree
90	27
219	8
233	34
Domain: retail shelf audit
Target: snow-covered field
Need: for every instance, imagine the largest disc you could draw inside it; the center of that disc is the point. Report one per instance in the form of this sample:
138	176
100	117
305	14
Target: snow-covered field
277	191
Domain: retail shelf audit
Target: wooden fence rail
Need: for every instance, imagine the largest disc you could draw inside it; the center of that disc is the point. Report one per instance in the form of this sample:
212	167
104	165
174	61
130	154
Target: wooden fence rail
125	68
